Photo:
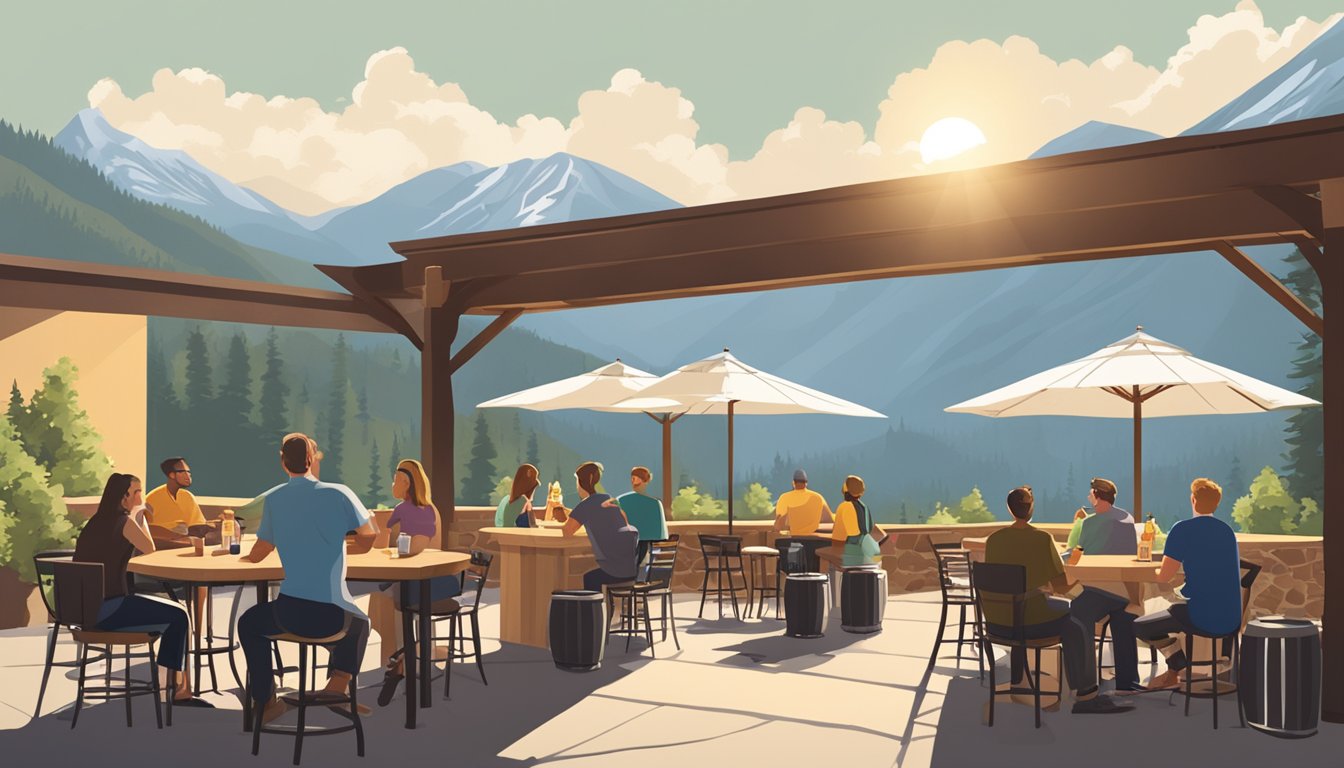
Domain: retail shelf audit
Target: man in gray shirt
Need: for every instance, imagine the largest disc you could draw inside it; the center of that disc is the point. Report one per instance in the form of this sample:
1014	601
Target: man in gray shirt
1110	531
613	538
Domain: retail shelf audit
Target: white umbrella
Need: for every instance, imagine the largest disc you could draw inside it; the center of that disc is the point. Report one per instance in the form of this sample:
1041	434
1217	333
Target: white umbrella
1135	377
722	384
595	390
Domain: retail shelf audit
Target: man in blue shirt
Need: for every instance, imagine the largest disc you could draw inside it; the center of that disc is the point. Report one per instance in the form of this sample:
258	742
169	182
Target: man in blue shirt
1206	548
306	521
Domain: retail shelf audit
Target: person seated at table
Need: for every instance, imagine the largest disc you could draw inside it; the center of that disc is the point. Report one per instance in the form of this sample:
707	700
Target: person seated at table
1110	529
613	538
417	517
172	508
114	532
1206	548
801	510
252	510
516	508
643	511
305	521
854	527
1047	616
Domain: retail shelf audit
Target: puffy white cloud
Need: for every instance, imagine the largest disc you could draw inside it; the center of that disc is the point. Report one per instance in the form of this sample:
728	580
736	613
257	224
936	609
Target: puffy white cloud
400	122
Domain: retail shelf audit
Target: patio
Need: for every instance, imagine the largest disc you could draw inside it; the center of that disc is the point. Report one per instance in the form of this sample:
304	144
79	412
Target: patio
738	693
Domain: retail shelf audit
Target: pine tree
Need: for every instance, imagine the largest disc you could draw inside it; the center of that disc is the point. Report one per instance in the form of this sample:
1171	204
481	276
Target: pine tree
235	397
33	517
973	509
334	443
57	433
1236	479
200	377
274	390
1305	465
480	481
533	450
518	436
363	413
16	409
377	477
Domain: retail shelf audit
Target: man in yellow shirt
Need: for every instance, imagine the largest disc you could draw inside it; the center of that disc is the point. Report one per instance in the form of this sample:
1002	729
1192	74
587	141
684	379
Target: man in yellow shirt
800	511
171	504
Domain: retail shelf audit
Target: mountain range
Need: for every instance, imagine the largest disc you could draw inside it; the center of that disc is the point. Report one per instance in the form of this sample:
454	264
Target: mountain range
906	347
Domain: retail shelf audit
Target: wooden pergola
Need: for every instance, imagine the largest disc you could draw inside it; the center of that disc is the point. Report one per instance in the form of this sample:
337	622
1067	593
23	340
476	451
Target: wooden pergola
1219	192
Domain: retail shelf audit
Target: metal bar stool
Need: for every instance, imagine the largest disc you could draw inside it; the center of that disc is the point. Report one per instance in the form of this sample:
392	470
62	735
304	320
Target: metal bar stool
657	583
78	596
718	553
958	591
1250	571
759	566
303	698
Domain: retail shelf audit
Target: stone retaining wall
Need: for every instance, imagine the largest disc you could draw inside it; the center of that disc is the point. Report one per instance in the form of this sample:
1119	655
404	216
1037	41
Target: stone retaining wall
1291	583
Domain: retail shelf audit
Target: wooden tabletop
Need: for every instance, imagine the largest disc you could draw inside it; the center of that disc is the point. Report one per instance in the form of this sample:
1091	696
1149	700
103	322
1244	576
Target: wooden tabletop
1095	567
547	538
374	565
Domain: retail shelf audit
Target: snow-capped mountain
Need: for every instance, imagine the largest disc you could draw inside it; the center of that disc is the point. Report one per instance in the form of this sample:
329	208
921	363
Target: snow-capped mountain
466	197
1093	135
1311	84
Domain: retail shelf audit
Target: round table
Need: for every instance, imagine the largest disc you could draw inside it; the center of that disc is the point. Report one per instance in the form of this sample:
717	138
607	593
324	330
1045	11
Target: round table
184	565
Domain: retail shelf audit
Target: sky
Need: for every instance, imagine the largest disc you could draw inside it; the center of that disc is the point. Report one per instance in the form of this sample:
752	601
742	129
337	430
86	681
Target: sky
322	104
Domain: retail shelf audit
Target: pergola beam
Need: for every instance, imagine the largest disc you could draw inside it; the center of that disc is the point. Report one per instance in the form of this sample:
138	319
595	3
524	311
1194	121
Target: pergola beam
486	335
1272	286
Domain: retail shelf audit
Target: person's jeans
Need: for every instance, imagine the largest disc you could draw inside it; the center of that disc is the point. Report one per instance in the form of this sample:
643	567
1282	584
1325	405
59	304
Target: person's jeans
1092	606
594	580
141	613
1162	625
306	618
641	558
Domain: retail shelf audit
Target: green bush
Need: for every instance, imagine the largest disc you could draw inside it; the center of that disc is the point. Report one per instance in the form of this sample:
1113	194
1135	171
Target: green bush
56	431
757	503
941	516
691	504
1268	508
973	509
32	515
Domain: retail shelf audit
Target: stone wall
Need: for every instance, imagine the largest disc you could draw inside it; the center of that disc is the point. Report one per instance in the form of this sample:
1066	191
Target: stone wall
1291	583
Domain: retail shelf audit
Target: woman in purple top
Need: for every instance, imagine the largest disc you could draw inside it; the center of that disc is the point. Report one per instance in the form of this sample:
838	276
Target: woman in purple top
417	517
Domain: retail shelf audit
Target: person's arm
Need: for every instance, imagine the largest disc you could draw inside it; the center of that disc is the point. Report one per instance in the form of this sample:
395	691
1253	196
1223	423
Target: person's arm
1169	569
419	544
136	532
781	522
572	526
260	549
364	536
826	516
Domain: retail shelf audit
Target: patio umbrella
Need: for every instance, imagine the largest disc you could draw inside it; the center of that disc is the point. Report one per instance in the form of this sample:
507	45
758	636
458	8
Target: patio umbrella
1135	377
595	390
722	384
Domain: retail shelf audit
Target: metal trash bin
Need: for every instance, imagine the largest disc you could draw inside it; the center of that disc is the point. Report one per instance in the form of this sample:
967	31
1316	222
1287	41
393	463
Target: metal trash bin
863	599
1280	676
578	629
805	610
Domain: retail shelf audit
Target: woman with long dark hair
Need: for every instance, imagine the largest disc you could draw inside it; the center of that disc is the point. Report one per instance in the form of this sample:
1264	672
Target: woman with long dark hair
114	533
516	508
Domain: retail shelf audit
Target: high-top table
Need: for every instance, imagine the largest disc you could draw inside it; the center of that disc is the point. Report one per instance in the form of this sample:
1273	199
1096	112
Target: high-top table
184	565
1093	569
534	562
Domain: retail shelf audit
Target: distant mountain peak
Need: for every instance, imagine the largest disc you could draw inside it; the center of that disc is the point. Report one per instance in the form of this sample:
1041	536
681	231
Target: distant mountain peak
1094	134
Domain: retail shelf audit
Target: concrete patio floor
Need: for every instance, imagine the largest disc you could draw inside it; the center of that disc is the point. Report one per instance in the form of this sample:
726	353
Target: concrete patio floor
738	693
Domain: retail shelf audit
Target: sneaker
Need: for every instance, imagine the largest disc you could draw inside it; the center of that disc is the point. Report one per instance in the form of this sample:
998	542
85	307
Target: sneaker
391	679
1100	705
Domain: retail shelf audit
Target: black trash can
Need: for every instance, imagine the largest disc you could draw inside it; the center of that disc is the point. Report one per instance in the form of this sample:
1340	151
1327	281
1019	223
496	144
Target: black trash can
805	605
863	599
1280	676
578	629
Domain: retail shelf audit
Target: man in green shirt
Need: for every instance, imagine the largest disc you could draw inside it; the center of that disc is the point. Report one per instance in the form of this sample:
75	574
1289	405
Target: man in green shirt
1048	616
644	512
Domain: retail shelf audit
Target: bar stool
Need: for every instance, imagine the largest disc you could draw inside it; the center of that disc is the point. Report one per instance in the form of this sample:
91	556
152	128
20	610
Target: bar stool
1250	571
758	562
634	606
78	596
303	698
958	591
718	553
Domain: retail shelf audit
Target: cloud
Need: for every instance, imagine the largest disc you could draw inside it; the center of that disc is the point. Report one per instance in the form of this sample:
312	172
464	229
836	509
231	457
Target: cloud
399	122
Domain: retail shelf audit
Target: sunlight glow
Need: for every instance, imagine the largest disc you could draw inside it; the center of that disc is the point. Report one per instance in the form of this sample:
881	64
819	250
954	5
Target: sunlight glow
949	137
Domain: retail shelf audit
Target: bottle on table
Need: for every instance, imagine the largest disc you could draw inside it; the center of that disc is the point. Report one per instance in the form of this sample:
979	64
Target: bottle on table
1077	556
1146	540
228	531
403	545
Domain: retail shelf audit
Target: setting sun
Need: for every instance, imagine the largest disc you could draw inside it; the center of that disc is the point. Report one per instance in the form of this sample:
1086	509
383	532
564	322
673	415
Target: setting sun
949	137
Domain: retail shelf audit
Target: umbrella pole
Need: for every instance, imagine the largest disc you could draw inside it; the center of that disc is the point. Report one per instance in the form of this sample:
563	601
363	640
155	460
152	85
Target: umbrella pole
731	403
1138	456
667	463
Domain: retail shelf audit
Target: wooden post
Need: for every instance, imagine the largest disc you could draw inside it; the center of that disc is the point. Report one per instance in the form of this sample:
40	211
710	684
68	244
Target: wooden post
436	395
666	420
1138	456
731	403
1332	396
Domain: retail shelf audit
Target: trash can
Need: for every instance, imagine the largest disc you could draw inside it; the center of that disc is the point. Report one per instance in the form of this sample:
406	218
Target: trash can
805	605
863	599
1280	676
578	630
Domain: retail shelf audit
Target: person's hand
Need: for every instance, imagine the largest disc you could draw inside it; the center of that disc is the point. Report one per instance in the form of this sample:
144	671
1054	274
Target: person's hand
611	503
561	514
